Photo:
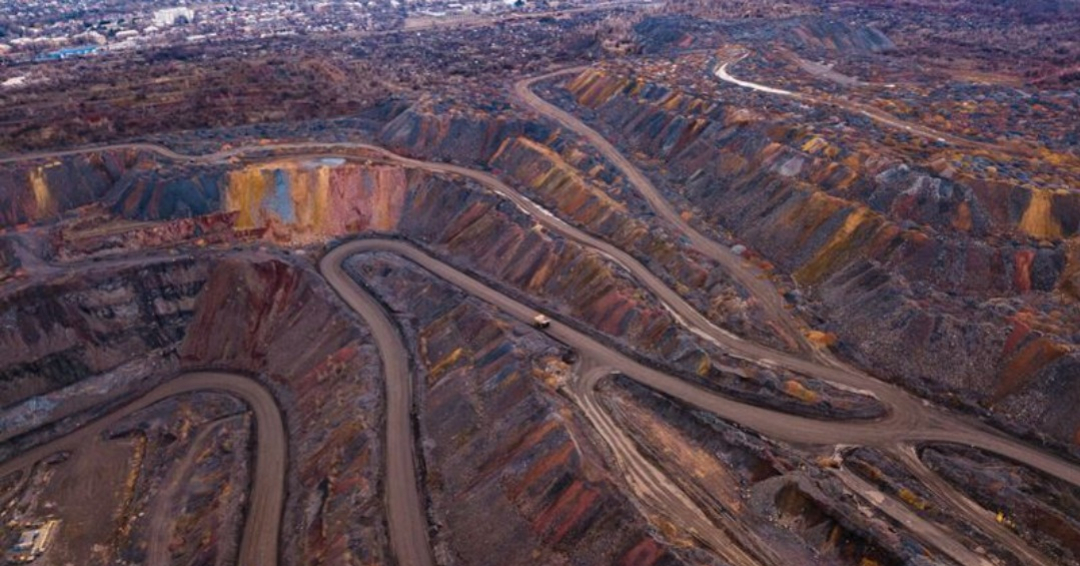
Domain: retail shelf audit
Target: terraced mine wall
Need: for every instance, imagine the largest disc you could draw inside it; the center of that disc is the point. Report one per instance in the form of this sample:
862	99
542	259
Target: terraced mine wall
255	314
56	335
555	170
484	234
32	192
271	318
500	442
887	248
294	201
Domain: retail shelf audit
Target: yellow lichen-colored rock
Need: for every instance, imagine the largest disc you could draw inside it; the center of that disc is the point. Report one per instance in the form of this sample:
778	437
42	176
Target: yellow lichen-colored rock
909	497
962	220
42	197
245	192
796	390
815	144
1038	220
442	365
820	338
834	251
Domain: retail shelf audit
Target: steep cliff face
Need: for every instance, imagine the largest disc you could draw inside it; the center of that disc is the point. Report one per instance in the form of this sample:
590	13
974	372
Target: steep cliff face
313	199
89	322
463	136
31	192
499	443
250	313
886	247
274	319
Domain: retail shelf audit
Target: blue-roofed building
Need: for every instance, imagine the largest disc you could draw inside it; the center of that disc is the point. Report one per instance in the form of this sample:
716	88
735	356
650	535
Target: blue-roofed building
68	52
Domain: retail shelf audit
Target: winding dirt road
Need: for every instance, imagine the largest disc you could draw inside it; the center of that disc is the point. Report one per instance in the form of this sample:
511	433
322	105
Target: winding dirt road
405	504
870	112
926	425
259	545
910	420
749	277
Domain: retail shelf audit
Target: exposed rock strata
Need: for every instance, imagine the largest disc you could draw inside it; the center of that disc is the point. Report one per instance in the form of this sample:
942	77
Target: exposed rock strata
499	442
885	247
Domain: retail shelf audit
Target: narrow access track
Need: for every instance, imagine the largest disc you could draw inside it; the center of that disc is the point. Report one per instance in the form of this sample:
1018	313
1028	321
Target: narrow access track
870	112
752	279
405	505
160	531
928	425
916	525
981	518
653	488
259	545
907	412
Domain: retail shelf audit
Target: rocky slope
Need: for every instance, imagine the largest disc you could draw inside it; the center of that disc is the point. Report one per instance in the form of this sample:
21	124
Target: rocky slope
559	171
35	191
300	200
887	247
246	312
767	492
88	323
499	443
274	319
1040	509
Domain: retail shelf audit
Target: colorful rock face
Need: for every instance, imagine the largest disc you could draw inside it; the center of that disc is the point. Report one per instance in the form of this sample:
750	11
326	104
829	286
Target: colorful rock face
37	191
252	314
886	246
499	442
314	199
271	318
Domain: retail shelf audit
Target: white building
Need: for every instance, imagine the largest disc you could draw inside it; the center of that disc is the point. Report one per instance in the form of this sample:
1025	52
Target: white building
169	16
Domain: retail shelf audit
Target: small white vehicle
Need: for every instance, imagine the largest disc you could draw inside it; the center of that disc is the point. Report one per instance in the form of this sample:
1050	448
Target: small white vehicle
541	321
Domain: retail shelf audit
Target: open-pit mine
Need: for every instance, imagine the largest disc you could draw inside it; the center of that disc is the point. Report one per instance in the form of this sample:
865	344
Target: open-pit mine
695	282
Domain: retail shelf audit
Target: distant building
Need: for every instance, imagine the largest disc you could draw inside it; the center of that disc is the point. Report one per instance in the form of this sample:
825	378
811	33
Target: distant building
170	16
33	542
68	53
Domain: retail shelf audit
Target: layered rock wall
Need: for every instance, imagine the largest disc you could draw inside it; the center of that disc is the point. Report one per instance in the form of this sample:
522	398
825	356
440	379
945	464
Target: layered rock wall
887	247
499	443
